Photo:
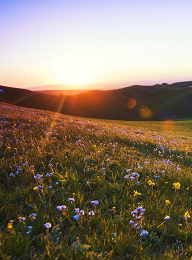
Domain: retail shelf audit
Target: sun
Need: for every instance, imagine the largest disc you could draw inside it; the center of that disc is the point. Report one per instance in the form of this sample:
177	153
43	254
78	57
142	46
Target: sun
74	70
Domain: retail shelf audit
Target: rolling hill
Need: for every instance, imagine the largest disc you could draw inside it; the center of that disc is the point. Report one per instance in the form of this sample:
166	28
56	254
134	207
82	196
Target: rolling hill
158	102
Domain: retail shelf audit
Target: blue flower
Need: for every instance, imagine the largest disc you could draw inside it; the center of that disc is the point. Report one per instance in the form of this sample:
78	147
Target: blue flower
33	216
47	225
142	211
95	202
138	227
91	213
48	174
76	217
135	212
71	200
82	212
144	233
38	176
135	174
22	219
63	207
58	208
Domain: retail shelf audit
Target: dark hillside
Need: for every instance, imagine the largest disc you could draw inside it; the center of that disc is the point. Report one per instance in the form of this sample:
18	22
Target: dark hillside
137	102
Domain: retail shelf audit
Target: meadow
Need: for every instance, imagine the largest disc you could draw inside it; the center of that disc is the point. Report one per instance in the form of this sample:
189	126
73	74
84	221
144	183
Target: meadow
76	188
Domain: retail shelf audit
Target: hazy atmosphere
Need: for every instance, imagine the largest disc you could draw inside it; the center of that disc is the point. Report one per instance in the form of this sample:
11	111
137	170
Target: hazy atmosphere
95	129
117	43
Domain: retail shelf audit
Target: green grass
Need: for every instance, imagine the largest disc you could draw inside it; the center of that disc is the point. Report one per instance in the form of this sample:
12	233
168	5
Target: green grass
183	128
88	160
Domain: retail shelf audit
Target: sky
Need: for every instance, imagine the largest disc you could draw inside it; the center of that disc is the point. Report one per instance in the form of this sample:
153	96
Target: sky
89	42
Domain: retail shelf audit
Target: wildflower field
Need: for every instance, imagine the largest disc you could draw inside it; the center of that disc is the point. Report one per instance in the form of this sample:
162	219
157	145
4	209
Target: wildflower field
76	188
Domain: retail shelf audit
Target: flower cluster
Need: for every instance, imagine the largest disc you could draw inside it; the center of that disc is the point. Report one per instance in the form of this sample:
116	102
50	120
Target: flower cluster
137	214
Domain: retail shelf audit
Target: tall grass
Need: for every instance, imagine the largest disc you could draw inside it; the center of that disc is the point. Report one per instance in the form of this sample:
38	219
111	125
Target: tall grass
140	179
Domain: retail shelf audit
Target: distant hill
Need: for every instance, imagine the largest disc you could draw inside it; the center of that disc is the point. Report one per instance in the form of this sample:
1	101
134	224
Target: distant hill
185	84
86	87
158	102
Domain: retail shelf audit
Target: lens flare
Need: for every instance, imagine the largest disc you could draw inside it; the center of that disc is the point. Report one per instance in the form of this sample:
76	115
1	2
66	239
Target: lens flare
145	112
131	103
168	125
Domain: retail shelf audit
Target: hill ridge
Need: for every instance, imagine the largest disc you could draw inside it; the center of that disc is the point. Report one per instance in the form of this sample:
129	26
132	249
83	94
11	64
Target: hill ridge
137	102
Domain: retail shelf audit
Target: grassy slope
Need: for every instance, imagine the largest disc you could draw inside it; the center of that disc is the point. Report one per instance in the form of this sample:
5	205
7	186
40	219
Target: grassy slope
183	128
89	159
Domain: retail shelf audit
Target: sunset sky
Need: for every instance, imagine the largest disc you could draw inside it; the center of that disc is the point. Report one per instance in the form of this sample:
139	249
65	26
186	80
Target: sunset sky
88	42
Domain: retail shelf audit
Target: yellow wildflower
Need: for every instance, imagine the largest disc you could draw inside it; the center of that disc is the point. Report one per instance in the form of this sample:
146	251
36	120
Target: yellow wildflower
136	193
150	182
35	188
177	185
167	202
10	224
187	215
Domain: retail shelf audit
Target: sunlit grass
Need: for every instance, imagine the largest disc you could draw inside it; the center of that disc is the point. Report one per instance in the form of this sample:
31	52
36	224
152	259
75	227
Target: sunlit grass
49	160
170	127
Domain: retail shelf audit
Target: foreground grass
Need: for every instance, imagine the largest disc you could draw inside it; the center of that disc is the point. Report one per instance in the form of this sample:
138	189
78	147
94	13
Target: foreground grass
74	188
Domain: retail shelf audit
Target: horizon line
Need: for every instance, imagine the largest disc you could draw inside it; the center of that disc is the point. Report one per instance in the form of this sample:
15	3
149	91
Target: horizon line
87	86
